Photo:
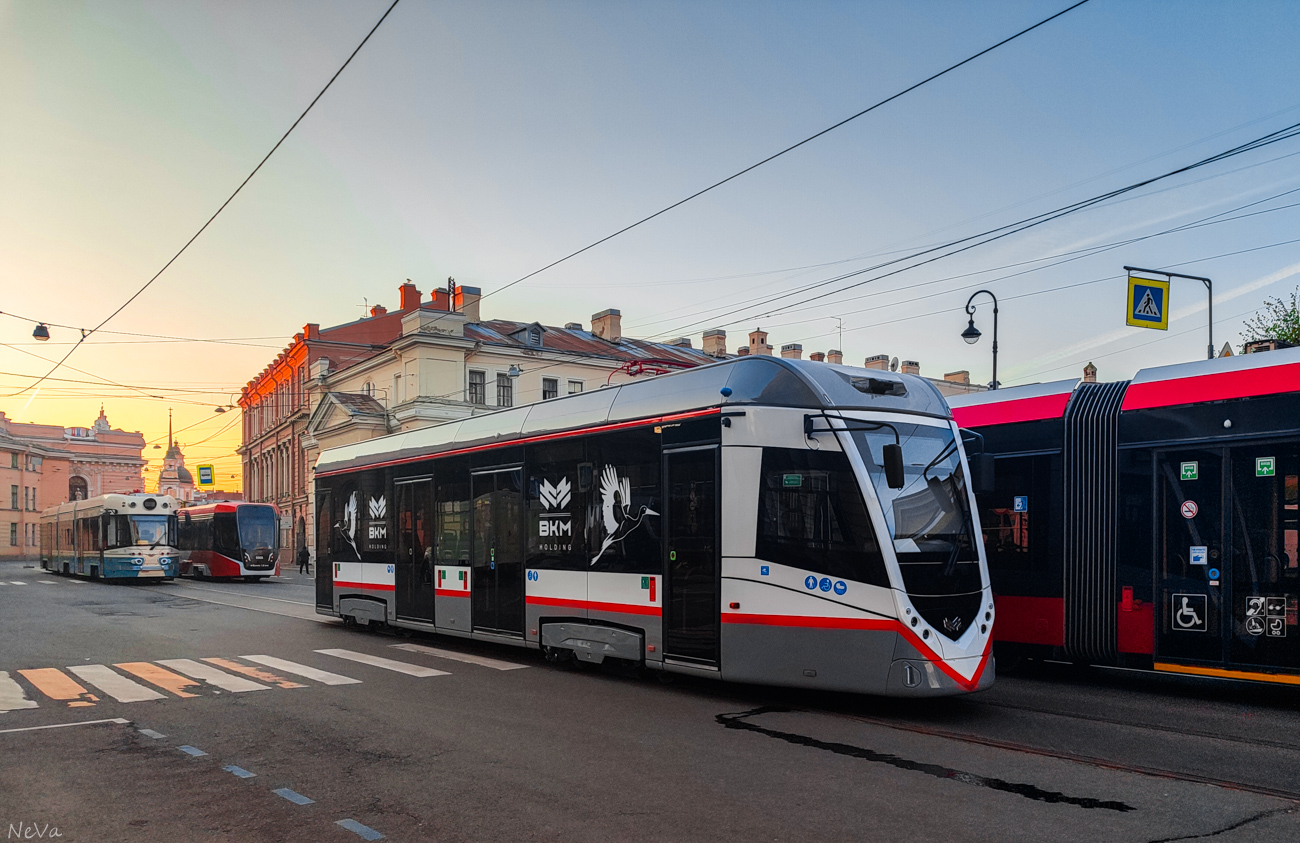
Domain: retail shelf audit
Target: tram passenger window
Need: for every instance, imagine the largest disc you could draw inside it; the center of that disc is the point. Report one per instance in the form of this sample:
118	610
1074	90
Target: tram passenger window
225	534
451	501
557	506
623	525
811	516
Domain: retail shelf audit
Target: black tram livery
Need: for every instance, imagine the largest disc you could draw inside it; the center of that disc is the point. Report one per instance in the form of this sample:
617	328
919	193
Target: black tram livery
1152	523
757	519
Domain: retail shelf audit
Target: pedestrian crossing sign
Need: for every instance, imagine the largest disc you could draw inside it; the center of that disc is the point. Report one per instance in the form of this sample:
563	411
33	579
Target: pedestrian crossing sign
1148	303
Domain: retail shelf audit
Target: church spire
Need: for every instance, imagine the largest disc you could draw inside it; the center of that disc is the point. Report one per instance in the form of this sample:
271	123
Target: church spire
170	441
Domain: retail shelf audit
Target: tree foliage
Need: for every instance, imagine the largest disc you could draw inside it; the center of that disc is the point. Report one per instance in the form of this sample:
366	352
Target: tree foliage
1278	319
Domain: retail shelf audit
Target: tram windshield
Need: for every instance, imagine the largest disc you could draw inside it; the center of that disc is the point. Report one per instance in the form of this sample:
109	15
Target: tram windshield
131	530
929	519
256	528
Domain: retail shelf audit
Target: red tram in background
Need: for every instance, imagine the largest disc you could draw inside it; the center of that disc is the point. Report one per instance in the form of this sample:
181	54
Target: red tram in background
1152	523
230	539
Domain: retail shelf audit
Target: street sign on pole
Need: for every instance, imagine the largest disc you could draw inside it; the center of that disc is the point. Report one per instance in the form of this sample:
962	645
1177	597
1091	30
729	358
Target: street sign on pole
207	477
1148	303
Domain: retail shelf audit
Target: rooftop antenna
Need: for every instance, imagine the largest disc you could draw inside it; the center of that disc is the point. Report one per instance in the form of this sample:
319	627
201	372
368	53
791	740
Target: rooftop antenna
365	307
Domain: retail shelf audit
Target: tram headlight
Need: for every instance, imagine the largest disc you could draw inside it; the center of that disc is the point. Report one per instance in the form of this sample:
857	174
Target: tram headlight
137	560
246	559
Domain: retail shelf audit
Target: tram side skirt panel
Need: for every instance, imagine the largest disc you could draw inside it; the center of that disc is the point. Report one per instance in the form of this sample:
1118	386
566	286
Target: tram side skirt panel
1091	469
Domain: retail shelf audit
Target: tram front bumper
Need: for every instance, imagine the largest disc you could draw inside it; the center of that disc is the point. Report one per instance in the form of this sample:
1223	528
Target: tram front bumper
919	677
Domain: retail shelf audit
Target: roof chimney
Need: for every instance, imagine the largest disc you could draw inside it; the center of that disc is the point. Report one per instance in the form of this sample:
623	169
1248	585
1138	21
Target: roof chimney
962	377
835	356
910	367
681	342
1090	373
608	325
715	343
877	361
758	342
467	299
410	295
817	356
573	326
792	351
311	330
743	351
378	310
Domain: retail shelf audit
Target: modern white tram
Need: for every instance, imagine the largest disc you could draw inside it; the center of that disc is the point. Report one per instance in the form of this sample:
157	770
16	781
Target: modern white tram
111	536
759	519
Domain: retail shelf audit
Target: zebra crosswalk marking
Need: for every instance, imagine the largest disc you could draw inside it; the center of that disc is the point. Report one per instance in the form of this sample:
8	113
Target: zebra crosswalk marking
115	685
57	685
12	695
285	666
219	678
467	658
255	672
386	664
155	675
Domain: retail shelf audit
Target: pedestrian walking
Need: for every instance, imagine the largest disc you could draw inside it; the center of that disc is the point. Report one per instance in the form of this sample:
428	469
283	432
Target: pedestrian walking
304	561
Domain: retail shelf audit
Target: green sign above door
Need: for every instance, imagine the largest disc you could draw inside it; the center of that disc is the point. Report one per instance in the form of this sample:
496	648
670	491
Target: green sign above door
1189	470
1265	466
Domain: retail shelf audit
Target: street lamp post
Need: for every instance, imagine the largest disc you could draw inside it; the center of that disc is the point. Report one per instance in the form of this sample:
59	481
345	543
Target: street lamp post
972	334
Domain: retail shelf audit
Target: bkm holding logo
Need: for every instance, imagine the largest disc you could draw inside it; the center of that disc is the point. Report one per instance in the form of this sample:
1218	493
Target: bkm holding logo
557	523
378	526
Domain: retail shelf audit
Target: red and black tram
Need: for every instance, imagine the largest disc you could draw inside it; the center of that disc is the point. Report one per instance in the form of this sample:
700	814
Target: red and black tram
1151	523
230	539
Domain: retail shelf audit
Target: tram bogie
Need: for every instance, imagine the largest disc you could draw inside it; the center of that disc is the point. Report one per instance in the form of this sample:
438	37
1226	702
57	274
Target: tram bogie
733	521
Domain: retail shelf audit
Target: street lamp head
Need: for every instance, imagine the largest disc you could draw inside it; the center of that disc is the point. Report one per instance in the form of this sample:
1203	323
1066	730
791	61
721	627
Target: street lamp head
514	372
971	334
41	333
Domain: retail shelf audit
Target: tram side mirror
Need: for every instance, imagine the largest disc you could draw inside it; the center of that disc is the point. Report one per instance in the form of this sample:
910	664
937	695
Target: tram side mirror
981	473
893	456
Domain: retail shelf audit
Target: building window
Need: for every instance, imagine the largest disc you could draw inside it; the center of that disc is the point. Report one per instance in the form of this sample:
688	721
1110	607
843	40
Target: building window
368	389
505	391
477	388
77	489
397	387
13	460
535	336
36	463
550	388
13	534
575	387
13	497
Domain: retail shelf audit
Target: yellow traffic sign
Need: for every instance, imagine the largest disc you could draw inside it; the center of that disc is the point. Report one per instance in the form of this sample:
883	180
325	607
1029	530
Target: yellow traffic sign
1148	303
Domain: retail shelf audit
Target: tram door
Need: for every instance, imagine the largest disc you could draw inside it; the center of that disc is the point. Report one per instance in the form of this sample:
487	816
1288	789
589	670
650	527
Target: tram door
414	558
692	607
1193	575
324	551
1264	513
497	556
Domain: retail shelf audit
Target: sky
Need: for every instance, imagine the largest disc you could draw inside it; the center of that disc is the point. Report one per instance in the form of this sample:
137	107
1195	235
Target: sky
483	141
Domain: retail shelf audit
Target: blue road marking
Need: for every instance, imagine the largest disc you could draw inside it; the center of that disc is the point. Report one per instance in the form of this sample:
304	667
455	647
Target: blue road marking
190	750
239	771
295	798
366	832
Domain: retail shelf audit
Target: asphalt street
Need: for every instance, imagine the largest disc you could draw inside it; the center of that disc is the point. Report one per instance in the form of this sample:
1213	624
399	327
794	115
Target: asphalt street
232	711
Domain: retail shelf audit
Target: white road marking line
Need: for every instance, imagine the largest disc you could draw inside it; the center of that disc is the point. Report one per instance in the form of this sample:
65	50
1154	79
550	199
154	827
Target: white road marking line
114	684
150	733
483	661
17	582
47	582
386	664
322	676
209	674
78	582
12	695
122	721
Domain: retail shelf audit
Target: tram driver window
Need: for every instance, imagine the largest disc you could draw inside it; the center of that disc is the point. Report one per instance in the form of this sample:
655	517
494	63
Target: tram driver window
811	516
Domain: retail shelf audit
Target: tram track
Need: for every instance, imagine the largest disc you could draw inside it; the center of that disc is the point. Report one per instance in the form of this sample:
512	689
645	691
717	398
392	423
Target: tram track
1078	758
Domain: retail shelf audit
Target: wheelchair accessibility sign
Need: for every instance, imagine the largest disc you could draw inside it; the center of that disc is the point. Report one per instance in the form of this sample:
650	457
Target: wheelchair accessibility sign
1189	612
1148	303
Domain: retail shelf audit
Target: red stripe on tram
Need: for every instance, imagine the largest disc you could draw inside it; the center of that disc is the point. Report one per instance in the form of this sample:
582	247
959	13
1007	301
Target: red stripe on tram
364	586
595	606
